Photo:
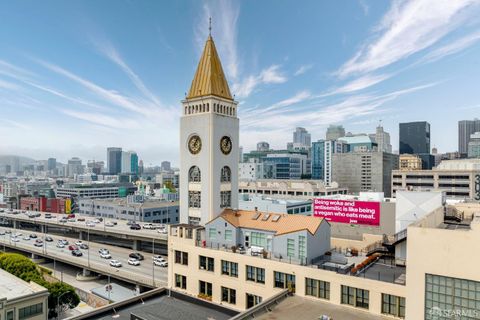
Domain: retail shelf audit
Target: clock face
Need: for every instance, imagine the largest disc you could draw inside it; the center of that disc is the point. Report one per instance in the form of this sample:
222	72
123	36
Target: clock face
194	144
226	145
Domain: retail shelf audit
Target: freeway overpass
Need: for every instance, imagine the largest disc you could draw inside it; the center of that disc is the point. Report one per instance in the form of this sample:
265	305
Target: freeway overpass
119	231
147	274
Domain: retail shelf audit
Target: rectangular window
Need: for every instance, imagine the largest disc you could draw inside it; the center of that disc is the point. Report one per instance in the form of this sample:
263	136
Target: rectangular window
229	295
284	280
253	300
230	268
259	239
180	281
255	274
212	233
228	235
290	248
30	311
206	263
447	293
393	305
205	288
181	257
317	288
302	247
355	297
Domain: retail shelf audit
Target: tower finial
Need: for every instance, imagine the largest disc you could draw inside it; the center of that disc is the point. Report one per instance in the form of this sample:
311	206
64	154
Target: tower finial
210	26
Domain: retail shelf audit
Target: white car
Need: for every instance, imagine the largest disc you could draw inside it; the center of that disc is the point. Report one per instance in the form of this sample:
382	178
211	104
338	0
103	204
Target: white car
109	224
18	234
96	221
15	239
133	262
79	242
162	231
105	255
159	259
27	237
90	224
115	263
160	263
148	226
71	220
60	245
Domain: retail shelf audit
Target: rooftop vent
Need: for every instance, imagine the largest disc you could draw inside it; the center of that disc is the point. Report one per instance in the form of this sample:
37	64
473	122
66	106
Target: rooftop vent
256	216
265	217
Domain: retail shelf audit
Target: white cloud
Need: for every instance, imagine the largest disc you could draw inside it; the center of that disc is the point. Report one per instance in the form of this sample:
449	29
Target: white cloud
103	120
409	27
8	85
452	48
106	48
364	6
303	69
357	84
224	16
247	86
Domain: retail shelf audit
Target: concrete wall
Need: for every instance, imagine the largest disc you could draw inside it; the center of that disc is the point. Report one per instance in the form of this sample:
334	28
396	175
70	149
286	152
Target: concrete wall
438	251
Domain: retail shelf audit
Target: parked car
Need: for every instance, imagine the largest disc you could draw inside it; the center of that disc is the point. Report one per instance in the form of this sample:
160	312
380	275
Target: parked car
90	224
115	263
48	215
78	242
83	246
71	220
160	263
105	255
71	215
162	230
77	253
133	262
96	221
136	255
15	239
81	219
48	239
63	241
135	226
148	226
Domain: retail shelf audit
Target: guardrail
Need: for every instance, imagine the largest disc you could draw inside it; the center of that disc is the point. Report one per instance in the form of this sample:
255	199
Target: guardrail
265	306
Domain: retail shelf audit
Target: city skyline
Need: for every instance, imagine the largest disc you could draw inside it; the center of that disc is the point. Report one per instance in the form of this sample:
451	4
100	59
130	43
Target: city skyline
123	85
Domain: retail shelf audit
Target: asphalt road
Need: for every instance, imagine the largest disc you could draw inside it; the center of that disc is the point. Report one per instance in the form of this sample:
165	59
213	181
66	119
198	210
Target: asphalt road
120	229
91	257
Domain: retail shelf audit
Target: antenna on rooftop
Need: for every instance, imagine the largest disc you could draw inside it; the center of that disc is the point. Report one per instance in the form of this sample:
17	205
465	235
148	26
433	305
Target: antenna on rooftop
210	26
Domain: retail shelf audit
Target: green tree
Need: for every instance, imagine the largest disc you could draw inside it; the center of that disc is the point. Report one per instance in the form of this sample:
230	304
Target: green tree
169	186
25	269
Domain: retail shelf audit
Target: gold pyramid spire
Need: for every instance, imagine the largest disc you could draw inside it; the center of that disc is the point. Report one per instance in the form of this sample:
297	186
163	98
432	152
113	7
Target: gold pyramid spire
209	78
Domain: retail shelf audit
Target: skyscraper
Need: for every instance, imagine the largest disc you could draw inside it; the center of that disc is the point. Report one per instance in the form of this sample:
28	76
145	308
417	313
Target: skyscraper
129	162
334	132
165	166
114	160
301	137
322	151
465	129
74	167
415	139
51	164
382	138
263	146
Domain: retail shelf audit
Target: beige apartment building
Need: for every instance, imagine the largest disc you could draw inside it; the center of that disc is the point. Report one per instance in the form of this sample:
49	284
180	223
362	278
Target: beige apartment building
409	162
241	281
21	300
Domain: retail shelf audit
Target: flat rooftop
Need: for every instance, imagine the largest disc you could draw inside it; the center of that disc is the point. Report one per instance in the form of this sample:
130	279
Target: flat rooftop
300	308
161	306
12	287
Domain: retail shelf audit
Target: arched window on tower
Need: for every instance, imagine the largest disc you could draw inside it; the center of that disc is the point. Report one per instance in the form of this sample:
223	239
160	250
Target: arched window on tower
194	174
226	174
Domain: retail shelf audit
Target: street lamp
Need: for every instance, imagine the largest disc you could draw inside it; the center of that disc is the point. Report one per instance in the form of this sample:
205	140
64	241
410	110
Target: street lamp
153	264
58	301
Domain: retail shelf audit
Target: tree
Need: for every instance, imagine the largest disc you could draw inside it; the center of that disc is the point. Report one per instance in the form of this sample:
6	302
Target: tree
169	186
23	268
62	297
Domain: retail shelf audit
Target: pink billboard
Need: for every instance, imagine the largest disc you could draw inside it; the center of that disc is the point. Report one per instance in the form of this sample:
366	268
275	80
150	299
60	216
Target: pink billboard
346	211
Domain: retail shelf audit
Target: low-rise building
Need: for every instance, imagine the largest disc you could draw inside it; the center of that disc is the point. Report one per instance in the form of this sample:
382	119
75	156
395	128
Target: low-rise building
22	300
274	205
410	162
54	205
457	178
146	210
95	191
294	189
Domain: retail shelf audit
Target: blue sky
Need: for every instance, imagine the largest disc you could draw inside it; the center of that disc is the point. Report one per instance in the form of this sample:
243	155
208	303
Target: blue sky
79	76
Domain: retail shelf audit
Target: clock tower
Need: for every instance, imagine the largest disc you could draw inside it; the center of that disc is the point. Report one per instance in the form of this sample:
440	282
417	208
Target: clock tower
209	130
